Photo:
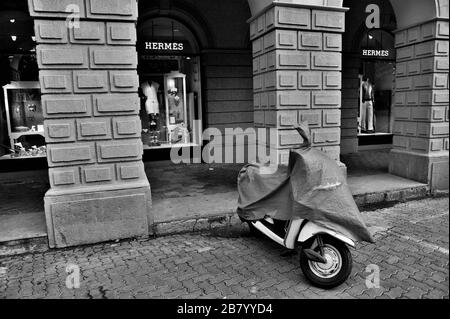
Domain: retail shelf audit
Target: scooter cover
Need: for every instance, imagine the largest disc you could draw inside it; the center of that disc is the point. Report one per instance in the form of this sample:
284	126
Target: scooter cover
311	187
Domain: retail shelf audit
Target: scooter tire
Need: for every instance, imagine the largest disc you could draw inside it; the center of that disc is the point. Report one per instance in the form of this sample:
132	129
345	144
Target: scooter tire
337	279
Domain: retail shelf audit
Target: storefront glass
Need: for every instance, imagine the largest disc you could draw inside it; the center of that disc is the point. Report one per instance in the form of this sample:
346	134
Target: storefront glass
21	117
377	74
170	89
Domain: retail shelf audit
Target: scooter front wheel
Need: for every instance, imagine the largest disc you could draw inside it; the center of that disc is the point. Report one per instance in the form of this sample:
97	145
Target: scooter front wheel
337	268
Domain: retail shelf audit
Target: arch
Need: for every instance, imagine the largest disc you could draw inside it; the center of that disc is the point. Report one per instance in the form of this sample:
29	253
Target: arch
168	28
408	13
194	23
412	12
258	5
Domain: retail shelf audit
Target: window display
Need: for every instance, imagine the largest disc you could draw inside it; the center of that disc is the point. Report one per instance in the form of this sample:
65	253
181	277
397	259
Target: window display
169	102
170	84
25	120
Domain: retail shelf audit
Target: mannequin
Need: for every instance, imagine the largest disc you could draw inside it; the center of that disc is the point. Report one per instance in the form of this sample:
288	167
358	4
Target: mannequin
367	122
150	92
176	107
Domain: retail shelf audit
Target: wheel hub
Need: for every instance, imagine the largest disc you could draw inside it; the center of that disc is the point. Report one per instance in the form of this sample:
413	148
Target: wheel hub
331	267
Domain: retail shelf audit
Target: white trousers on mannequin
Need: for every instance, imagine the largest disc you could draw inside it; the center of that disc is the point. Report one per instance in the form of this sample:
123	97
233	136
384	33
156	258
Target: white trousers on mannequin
367	116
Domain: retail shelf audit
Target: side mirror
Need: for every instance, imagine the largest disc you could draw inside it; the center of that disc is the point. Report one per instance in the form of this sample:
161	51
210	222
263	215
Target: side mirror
303	129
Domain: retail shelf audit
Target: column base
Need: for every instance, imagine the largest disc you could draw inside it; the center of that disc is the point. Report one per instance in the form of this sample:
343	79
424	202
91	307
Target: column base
428	169
98	215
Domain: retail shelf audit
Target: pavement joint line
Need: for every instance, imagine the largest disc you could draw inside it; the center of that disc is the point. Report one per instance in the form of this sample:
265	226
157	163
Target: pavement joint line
429	218
424	244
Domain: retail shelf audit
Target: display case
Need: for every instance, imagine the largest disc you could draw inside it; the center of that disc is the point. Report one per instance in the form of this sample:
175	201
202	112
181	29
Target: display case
25	120
176	108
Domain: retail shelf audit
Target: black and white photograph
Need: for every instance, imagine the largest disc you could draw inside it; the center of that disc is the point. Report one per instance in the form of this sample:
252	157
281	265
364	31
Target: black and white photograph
220	157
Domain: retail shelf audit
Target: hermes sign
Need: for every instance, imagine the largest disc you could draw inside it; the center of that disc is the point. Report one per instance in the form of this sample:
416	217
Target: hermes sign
164	46
376	53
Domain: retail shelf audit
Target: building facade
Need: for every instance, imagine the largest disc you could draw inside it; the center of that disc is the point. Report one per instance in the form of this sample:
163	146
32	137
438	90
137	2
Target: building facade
120	77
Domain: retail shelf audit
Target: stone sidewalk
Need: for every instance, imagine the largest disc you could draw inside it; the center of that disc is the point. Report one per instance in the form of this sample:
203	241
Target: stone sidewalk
185	197
411	252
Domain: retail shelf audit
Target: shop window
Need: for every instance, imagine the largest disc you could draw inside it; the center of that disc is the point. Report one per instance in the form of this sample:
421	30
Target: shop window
170	88
377	74
21	120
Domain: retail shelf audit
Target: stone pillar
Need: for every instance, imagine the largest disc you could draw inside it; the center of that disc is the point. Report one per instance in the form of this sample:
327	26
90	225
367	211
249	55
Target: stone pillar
421	127
99	190
297	73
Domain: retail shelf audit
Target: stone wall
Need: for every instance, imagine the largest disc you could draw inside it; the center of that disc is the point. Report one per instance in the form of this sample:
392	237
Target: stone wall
421	128
99	190
297	74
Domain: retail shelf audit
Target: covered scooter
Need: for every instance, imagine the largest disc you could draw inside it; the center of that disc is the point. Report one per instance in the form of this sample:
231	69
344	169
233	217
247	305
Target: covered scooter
306	205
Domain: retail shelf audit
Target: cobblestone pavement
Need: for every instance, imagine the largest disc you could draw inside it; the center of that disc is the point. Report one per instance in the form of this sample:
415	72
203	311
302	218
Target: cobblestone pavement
411	252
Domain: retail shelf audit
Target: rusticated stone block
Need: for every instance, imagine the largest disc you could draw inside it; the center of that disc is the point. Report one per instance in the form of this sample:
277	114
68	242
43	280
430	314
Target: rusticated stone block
110	104
126	127
70	154
332	42
420	145
326	136
286	118
55	106
55	81
311	80
59	130
298	18
90	81
94	129
313	117
402	113
113	57
331	118
123	150
258	46
326	99
64	177
310	40
332	80
400	142
77	219
412	98
288	138
120	33
88	32
401	69
441	64
284	80
112	10
97	173
293	60
280	39
130	171
410	128
51	31
269	60
405	53
258	82
56	8
326	61
328	21
413	34
404	84
296	99
62	57
258	117
413	67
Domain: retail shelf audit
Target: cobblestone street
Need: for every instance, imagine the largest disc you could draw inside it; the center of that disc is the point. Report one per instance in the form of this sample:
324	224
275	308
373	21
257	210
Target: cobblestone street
411	251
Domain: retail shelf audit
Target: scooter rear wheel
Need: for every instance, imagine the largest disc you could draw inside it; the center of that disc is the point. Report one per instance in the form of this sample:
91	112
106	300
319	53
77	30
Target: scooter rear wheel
332	273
